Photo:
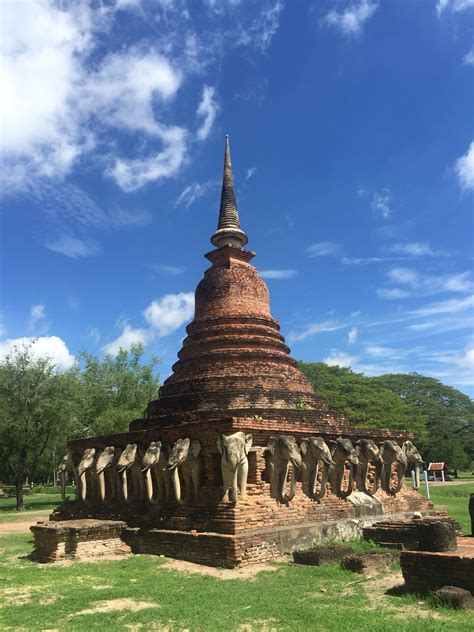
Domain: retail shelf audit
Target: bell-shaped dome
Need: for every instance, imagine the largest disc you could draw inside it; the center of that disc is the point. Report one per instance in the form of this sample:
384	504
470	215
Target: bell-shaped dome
234	361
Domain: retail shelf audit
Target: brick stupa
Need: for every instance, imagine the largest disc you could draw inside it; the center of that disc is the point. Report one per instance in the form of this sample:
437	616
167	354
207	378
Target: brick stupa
234	373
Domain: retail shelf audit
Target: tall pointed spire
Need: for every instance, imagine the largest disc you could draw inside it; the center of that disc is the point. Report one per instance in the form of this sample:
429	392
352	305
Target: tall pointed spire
228	229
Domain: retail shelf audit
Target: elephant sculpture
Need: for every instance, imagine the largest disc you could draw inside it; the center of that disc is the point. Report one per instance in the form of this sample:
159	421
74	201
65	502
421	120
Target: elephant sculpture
185	457
106	470
129	467
344	456
85	472
157	474
368	453
392	455
283	451
66	468
415	462
315	455
234	449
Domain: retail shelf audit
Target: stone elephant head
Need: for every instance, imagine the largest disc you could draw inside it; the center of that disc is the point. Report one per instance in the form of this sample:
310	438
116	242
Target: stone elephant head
106	470
234	449
368	454
394	461
185	457
85	473
316	456
415	461
157	474
129	467
66	468
283	451
345	457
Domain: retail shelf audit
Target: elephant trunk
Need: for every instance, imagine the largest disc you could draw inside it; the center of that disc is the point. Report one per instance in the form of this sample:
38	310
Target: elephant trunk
149	484
102	485
62	479
400	471
83	480
417	476
176	484
233	487
124	484
314	481
294	477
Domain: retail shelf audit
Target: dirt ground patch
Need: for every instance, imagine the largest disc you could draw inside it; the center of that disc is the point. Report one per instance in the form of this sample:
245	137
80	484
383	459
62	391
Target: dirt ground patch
23	524
247	572
377	599
117	604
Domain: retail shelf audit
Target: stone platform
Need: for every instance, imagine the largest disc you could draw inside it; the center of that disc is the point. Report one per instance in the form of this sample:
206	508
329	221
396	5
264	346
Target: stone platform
403	534
424	570
78	539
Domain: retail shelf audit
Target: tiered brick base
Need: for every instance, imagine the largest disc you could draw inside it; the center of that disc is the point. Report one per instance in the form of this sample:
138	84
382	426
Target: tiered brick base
423	570
78	539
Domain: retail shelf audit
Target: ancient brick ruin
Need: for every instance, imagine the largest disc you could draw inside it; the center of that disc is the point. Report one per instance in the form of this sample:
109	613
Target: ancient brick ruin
238	460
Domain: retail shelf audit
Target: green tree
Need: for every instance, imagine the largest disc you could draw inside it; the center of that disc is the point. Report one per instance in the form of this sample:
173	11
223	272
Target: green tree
366	403
115	390
448	414
38	405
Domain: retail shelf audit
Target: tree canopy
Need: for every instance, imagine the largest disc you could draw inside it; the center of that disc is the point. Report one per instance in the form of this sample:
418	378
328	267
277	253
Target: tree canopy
440	417
42	407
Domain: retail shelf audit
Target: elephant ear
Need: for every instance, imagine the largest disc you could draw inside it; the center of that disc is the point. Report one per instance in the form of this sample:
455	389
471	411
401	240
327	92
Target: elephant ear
195	447
272	445
220	444
248	443
304	445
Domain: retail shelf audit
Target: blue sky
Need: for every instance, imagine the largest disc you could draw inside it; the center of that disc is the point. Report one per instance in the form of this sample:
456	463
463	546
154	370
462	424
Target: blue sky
351	129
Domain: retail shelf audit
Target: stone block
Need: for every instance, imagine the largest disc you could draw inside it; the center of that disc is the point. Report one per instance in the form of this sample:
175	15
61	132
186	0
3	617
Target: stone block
455	597
321	555
369	562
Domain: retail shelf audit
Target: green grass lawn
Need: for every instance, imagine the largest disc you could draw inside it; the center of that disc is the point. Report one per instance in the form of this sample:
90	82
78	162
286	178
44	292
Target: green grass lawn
141	593
455	499
33	503
75	596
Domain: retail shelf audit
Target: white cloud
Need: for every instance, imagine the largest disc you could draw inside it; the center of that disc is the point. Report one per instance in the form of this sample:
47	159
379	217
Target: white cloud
127	338
380	352
94	333
360	261
351	20
171	270
73	247
43	347
263	27
454	5
207	110
250	172
446	307
37	314
109	98
314	329
170	312
417	284
381	203
412	248
468	58
464	168
194	192
277	274
339	358
323	248
392	293
352	335
132	174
